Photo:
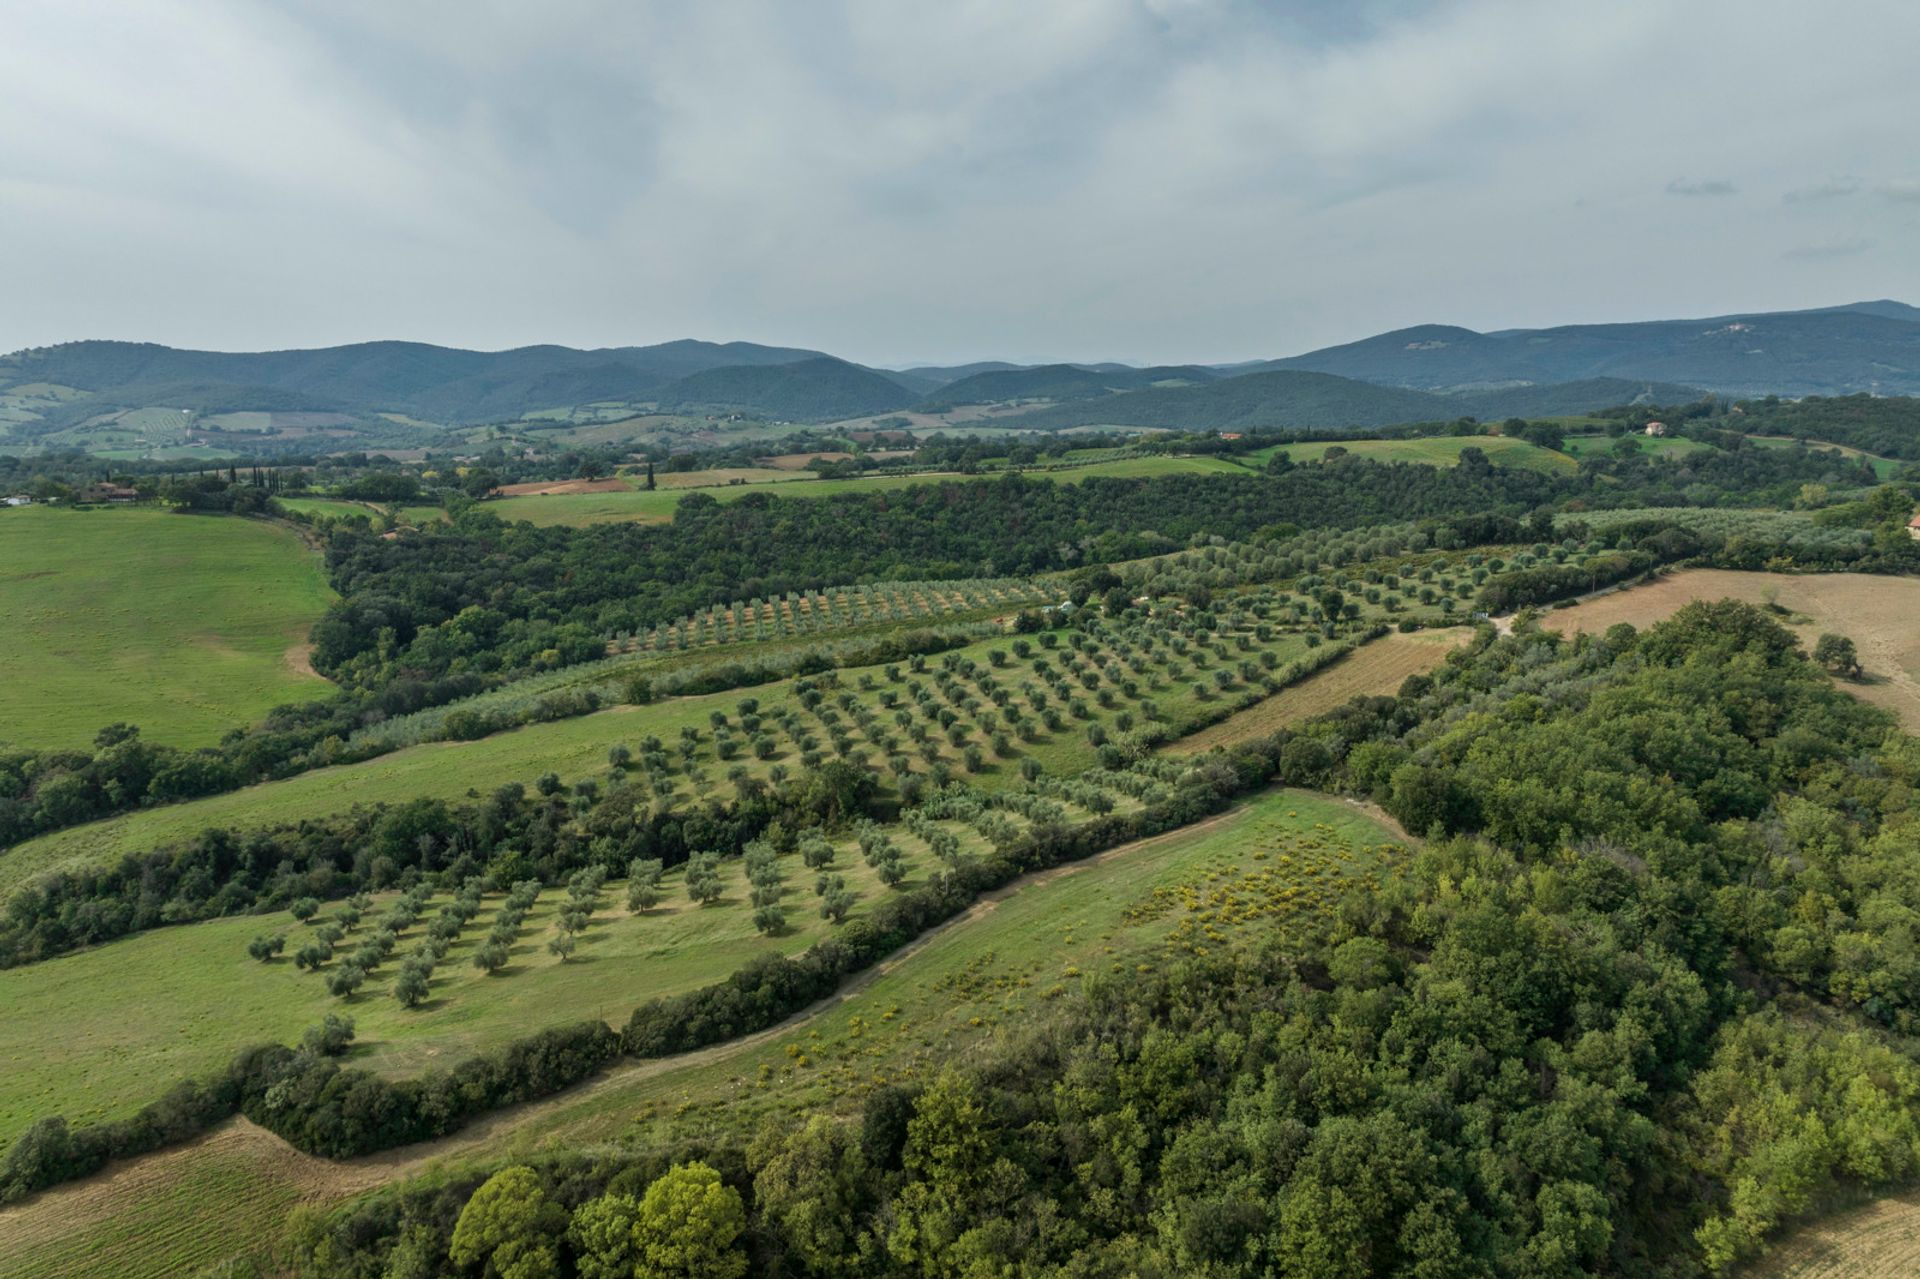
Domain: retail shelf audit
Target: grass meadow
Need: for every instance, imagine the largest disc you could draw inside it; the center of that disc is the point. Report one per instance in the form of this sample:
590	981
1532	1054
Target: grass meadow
177	1002
1273	863
1660	446
185	626
657	506
1437	450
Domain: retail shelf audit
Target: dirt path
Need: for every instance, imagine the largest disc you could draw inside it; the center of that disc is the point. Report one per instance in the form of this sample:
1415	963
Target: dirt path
299	659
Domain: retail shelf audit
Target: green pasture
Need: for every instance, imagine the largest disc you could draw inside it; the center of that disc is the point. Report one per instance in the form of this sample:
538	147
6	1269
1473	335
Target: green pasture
1662	446
1437	450
185	625
1275	863
174	1003
944	998
330	507
656	507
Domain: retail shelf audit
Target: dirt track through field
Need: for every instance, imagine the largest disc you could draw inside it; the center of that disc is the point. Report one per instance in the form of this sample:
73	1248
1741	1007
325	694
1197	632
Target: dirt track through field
1881	615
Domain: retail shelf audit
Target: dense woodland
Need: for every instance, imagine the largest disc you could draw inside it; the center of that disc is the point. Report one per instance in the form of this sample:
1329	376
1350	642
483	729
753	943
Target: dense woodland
1644	995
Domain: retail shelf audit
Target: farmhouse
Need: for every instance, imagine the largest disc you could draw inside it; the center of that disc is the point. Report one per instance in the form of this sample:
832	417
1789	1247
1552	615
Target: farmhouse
1913	528
94	493
18	499
1656	428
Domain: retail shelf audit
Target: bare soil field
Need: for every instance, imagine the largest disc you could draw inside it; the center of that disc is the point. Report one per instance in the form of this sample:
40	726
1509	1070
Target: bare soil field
798	461
1881	615
1879	1240
1375	669
548	488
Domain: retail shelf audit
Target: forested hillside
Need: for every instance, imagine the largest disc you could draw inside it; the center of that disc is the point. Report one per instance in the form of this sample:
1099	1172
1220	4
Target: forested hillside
1584	1036
1872	346
1295	399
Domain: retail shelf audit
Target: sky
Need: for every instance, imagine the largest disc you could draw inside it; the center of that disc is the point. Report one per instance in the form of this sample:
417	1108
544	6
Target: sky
899	182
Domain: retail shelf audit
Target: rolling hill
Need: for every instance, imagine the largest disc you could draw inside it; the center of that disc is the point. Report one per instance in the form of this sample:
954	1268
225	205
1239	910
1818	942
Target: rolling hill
818	389
1869	346
1299	399
430	382
1065	382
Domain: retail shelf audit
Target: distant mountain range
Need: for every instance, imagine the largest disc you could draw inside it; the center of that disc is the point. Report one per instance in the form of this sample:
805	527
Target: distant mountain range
1868	346
1422	373
1300	399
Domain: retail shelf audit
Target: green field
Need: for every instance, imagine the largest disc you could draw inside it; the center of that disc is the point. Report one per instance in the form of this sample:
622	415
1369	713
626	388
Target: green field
1282	858
184	625
656	507
1139	904
1438	450
571	747
1662	446
178	1002
331	507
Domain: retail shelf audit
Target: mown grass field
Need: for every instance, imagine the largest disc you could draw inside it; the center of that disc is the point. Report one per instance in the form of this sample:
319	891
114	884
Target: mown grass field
331	507
576	748
1662	446
183	625
946	996
1439	450
1879	614
1877	1240
657	506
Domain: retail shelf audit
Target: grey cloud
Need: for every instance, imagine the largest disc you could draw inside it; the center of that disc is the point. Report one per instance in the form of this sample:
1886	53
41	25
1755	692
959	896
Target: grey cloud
1149	179
1701	186
1845	248
1831	189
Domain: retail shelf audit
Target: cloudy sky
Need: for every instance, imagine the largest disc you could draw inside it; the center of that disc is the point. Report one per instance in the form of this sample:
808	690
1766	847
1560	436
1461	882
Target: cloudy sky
1150	180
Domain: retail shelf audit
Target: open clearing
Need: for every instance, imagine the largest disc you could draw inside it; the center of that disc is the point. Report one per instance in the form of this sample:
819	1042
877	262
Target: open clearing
1438	450
1373	670
1881	615
623	502
177	623
544	488
1879	1240
1650	445
331	507
939	999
